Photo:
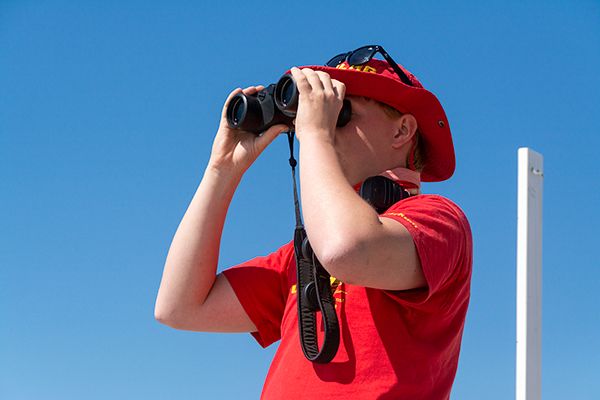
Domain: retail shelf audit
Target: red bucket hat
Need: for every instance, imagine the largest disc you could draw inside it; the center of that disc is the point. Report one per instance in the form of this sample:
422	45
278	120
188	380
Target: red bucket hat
377	80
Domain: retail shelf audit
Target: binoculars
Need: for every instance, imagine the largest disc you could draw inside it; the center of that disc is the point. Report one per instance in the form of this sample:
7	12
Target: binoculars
276	104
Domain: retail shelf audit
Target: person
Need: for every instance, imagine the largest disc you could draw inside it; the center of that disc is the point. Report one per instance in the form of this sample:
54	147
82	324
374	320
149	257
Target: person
400	279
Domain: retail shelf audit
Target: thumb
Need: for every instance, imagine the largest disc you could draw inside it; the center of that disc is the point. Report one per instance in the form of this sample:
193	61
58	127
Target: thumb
269	135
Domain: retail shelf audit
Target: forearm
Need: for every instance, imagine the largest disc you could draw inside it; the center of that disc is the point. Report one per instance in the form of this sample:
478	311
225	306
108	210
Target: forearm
335	216
191	263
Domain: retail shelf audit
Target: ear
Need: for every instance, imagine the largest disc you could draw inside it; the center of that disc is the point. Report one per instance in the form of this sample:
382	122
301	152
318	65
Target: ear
406	127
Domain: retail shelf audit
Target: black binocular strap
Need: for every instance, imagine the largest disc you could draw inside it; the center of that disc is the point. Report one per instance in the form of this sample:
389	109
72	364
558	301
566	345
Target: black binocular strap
313	290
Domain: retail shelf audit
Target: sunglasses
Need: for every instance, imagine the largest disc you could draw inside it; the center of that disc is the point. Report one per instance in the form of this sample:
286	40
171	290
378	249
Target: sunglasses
363	55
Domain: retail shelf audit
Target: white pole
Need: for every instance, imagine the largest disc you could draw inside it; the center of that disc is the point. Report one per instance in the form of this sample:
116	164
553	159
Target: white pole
529	275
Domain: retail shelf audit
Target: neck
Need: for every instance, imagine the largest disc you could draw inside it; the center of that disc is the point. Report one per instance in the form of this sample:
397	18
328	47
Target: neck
409	179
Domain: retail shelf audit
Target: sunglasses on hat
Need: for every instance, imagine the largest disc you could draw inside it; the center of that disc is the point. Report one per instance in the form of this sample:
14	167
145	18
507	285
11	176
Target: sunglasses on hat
363	55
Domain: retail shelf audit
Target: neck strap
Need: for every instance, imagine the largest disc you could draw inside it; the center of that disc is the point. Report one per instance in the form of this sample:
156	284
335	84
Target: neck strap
313	290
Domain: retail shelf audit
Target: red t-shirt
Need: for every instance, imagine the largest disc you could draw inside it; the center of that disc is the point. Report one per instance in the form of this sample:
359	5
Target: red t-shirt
393	344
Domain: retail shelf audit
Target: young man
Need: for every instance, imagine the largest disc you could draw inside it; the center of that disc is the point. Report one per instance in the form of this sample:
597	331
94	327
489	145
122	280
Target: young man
401	280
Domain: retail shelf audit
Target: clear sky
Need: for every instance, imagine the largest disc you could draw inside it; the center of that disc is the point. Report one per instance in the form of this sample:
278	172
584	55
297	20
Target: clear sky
107	114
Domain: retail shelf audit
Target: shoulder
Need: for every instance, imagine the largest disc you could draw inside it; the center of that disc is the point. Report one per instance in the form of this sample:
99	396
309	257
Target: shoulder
430	207
442	238
428	201
433	221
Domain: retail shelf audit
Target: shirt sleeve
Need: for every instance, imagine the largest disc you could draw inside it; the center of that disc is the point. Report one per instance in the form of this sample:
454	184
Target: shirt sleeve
441	235
260	285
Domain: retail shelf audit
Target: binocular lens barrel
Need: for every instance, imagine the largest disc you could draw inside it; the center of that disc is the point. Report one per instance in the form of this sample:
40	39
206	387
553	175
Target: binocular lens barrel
237	110
245	113
286	95
276	104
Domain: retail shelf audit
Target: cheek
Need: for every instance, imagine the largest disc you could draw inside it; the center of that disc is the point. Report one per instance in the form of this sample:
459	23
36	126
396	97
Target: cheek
363	136
372	136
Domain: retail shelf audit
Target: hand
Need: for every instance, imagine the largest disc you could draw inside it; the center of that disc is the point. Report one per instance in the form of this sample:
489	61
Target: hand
235	150
321	99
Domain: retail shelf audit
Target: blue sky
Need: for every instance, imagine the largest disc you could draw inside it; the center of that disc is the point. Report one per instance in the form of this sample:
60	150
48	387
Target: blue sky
107	114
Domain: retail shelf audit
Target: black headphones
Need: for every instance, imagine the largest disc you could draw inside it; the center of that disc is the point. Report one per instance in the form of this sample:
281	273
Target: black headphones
382	193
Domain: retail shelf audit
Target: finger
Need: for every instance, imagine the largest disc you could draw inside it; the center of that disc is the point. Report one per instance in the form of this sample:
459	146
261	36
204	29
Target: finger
339	88
326	81
269	135
253	89
313	78
301	81
233	93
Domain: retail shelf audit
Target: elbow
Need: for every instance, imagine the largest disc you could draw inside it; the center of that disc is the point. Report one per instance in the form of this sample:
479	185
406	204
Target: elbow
167	308
169	319
181	317
341	260
166	316
343	272
162	316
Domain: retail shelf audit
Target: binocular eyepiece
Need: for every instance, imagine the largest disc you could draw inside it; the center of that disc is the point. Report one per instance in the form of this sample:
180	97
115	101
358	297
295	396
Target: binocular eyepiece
276	104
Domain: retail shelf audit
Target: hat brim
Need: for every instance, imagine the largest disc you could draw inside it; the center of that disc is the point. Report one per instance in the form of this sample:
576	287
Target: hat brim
422	104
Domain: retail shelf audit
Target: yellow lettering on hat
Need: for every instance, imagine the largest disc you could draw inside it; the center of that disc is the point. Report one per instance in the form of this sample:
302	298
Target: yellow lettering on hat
369	69
362	68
